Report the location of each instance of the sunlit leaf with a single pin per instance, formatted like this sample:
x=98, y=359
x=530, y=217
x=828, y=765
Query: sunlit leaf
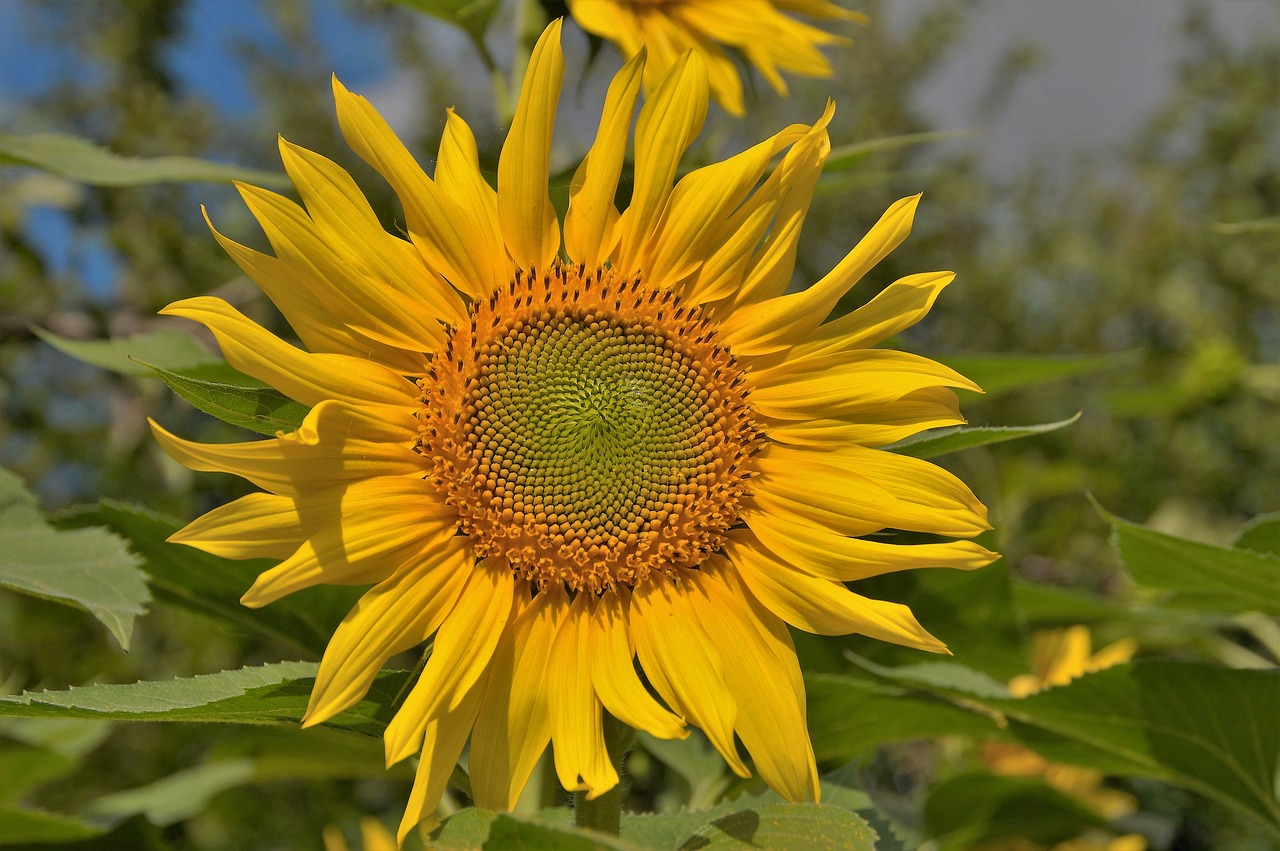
x=173, y=350
x=84, y=162
x=1262, y=535
x=942, y=441
x=258, y=409
x=1205, y=576
x=785, y=826
x=86, y=568
x=999, y=374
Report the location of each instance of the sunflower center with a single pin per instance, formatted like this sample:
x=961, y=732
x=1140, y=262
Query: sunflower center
x=589, y=429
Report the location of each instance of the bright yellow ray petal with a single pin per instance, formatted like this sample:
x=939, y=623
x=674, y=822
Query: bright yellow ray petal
x=462, y=649
x=590, y=226
x=668, y=123
x=683, y=664
x=859, y=379
x=309, y=378
x=260, y=525
x=344, y=218
x=824, y=607
x=876, y=425
x=447, y=234
x=577, y=727
x=856, y=491
x=896, y=308
x=528, y=219
x=443, y=741
x=613, y=672
x=398, y=613
x=458, y=174
x=378, y=526
x=312, y=309
x=514, y=724
x=769, y=326
x=371, y=306
x=315, y=457
x=763, y=673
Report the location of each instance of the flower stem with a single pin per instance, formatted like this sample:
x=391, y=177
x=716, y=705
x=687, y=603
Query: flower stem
x=605, y=812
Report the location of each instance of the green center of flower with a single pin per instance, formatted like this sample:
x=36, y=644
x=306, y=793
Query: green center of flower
x=589, y=430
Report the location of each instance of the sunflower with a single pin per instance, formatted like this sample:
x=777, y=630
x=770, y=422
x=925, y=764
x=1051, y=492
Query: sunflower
x=556, y=461
x=759, y=30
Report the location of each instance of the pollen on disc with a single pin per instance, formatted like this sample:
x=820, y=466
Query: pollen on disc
x=589, y=429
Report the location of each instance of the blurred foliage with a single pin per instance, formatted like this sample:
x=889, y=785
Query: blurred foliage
x=1158, y=261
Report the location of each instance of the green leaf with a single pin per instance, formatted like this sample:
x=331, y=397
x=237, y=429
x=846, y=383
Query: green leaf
x=1262, y=535
x=24, y=767
x=269, y=694
x=86, y=568
x=1268, y=225
x=1210, y=729
x=847, y=156
x=22, y=826
x=174, y=350
x=177, y=797
x=258, y=409
x=811, y=826
x=199, y=582
x=473, y=16
x=938, y=675
x=942, y=441
x=84, y=162
x=697, y=763
x=1208, y=577
x=999, y=374
x=507, y=832
x=967, y=810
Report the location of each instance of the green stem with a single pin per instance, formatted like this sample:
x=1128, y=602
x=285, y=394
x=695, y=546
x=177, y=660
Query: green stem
x=605, y=812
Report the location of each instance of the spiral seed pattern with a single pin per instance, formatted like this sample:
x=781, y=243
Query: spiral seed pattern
x=589, y=429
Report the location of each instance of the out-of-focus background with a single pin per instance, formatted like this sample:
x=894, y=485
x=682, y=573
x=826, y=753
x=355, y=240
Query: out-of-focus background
x=1098, y=172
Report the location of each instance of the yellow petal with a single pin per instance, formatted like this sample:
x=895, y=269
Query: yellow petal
x=590, y=226
x=308, y=378
x=577, y=728
x=876, y=425
x=847, y=383
x=824, y=553
x=613, y=671
x=682, y=663
x=462, y=649
x=762, y=672
x=315, y=457
x=897, y=307
x=260, y=525
x=514, y=725
x=398, y=613
x=668, y=123
x=458, y=174
x=443, y=741
x=374, y=528
x=824, y=607
x=448, y=235
x=774, y=324
x=529, y=223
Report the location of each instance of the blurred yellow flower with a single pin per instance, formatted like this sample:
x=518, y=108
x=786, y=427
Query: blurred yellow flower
x=556, y=459
x=373, y=837
x=761, y=31
x=1059, y=656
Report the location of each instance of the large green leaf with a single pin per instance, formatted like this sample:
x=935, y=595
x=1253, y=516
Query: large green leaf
x=173, y=350
x=967, y=810
x=84, y=162
x=25, y=766
x=814, y=826
x=943, y=441
x=197, y=581
x=269, y=694
x=999, y=374
x=86, y=568
x=1262, y=535
x=1214, y=730
x=258, y=409
x=1205, y=576
x=23, y=827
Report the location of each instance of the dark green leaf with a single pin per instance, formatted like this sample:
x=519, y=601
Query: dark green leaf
x=1262, y=535
x=24, y=767
x=998, y=374
x=942, y=441
x=84, y=162
x=258, y=409
x=20, y=827
x=964, y=811
x=269, y=694
x=1208, y=577
x=86, y=568
x=172, y=349
x=697, y=763
x=507, y=832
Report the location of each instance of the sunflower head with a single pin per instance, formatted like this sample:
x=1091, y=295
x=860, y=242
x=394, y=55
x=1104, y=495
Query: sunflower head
x=602, y=464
